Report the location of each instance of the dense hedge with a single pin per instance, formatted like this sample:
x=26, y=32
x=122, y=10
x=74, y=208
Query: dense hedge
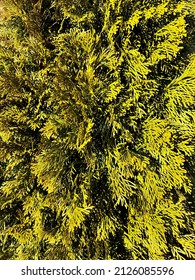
x=97, y=129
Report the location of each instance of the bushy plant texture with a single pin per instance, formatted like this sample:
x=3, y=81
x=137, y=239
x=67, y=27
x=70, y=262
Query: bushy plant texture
x=97, y=128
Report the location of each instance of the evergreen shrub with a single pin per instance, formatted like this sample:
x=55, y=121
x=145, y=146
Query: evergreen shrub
x=97, y=129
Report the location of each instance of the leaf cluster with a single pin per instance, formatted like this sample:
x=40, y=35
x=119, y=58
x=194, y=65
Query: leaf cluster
x=97, y=126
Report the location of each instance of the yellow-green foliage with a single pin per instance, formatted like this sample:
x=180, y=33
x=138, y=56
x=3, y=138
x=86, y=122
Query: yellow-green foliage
x=97, y=129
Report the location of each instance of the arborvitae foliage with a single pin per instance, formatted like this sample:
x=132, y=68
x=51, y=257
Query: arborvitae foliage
x=97, y=129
